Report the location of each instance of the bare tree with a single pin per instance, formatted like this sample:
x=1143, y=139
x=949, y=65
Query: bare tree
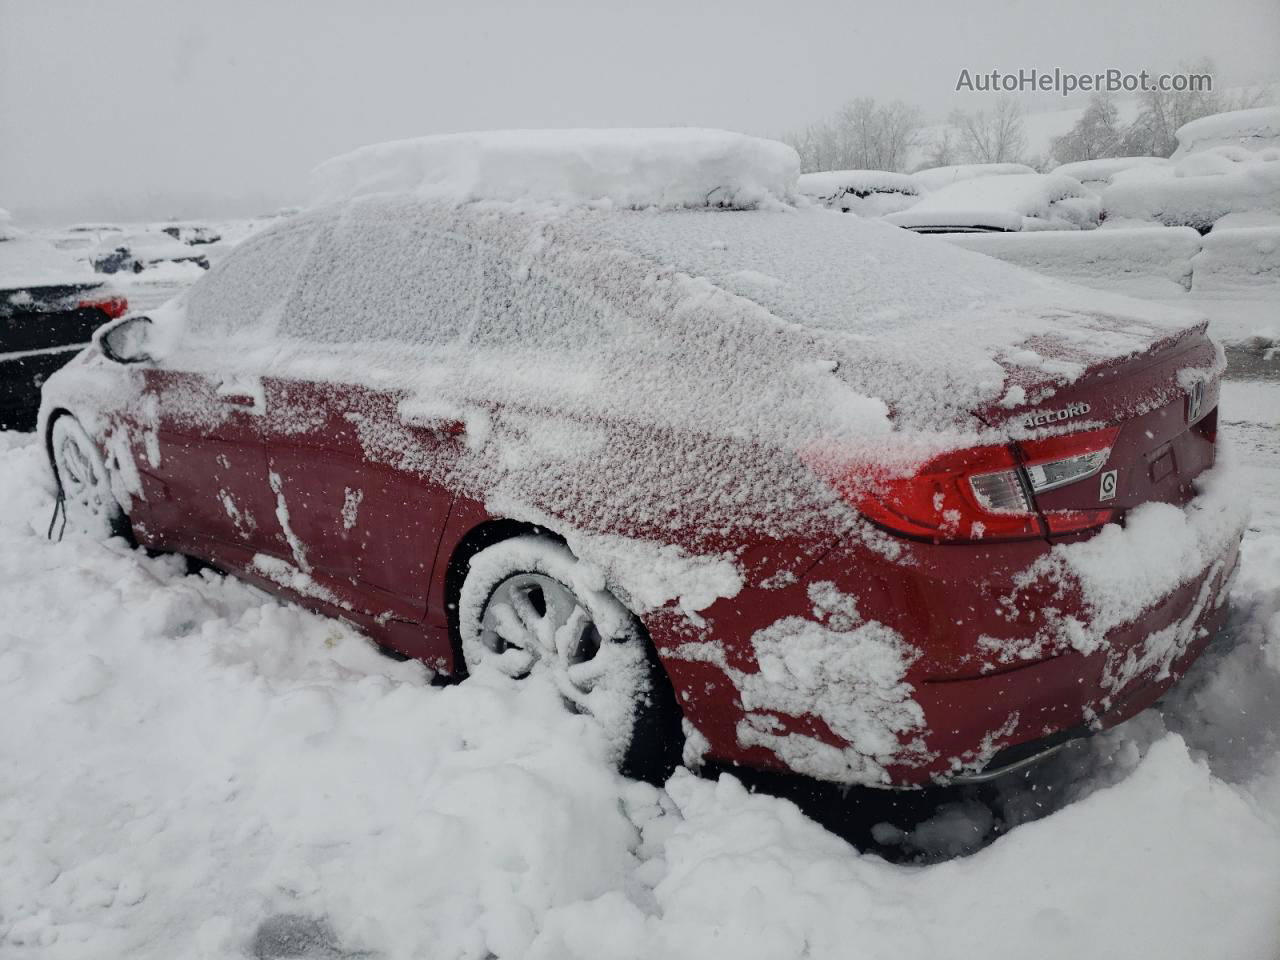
x=1096, y=134
x=942, y=151
x=992, y=136
x=1162, y=112
x=899, y=135
x=863, y=135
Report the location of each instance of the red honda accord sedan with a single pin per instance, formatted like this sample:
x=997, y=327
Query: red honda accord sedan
x=748, y=480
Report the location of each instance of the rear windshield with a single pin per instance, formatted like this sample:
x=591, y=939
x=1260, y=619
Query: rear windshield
x=816, y=268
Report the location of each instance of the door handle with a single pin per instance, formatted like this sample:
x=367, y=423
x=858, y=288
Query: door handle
x=241, y=395
x=440, y=426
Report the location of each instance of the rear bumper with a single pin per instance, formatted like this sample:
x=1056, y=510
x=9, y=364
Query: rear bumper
x=929, y=663
x=974, y=721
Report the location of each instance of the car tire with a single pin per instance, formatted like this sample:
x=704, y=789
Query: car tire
x=528, y=605
x=84, y=486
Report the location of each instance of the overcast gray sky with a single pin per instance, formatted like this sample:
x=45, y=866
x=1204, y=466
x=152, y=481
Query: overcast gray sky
x=147, y=105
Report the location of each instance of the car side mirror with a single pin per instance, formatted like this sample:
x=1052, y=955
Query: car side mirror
x=125, y=341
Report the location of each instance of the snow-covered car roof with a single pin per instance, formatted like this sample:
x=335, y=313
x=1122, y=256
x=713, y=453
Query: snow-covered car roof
x=27, y=261
x=998, y=203
x=935, y=178
x=830, y=184
x=1253, y=129
x=663, y=167
x=1103, y=169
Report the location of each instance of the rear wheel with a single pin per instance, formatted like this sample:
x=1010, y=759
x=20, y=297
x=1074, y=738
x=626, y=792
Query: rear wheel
x=528, y=606
x=90, y=508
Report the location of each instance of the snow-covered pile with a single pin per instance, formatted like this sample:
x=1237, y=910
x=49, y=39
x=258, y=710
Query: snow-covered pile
x=1238, y=259
x=189, y=768
x=1253, y=129
x=1102, y=170
x=664, y=167
x=1136, y=261
x=935, y=178
x=1017, y=201
x=1199, y=190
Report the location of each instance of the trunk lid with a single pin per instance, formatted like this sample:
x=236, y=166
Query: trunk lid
x=1164, y=403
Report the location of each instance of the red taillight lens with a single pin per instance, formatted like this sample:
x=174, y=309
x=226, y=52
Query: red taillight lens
x=113, y=307
x=981, y=493
x=962, y=496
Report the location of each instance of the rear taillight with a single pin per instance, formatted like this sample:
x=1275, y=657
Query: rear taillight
x=113, y=307
x=1054, y=462
x=981, y=493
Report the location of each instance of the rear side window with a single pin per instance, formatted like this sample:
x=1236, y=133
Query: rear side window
x=385, y=273
x=525, y=308
x=246, y=292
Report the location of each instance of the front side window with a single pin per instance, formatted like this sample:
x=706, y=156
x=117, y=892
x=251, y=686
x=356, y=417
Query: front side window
x=385, y=274
x=245, y=293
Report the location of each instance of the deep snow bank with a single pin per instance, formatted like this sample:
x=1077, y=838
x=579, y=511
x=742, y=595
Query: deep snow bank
x=183, y=760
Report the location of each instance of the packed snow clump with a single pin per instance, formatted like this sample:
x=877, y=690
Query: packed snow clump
x=663, y=167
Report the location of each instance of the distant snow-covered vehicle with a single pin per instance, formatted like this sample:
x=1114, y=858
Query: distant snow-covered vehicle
x=935, y=178
x=1226, y=166
x=607, y=411
x=50, y=304
x=1004, y=204
x=191, y=233
x=136, y=252
x=1099, y=173
x=868, y=193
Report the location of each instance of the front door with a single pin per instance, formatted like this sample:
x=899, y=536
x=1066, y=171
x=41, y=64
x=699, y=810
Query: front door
x=197, y=445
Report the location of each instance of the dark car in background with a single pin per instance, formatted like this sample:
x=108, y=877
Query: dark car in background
x=191, y=233
x=49, y=307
